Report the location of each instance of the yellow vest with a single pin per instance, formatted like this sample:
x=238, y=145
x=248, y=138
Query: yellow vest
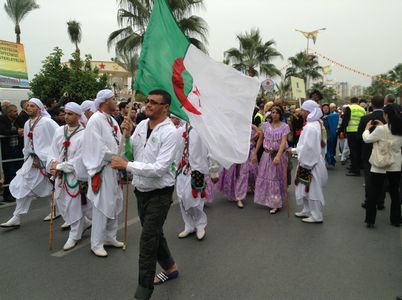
x=261, y=116
x=356, y=113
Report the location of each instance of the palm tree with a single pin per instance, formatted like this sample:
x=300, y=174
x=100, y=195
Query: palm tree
x=283, y=89
x=304, y=66
x=253, y=56
x=133, y=18
x=74, y=31
x=128, y=60
x=17, y=10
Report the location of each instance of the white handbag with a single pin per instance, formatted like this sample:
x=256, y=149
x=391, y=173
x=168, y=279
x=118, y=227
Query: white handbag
x=381, y=156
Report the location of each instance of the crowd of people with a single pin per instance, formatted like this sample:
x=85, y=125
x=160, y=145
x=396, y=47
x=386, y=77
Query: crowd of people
x=82, y=154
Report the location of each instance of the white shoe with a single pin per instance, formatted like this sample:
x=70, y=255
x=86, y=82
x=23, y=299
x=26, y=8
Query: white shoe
x=87, y=223
x=100, y=252
x=114, y=243
x=64, y=226
x=240, y=204
x=70, y=244
x=310, y=220
x=301, y=215
x=201, y=234
x=184, y=234
x=14, y=222
x=49, y=216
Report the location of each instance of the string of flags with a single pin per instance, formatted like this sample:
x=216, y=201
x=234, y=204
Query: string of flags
x=376, y=78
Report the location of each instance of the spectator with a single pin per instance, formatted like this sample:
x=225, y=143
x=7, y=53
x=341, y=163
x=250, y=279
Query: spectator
x=389, y=99
x=123, y=110
x=59, y=116
x=4, y=105
x=11, y=147
x=376, y=132
x=378, y=114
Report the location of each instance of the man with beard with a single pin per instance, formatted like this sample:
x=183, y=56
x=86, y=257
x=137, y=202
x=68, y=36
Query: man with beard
x=32, y=180
x=101, y=142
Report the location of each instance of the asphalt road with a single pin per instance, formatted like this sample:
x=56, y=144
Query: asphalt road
x=247, y=254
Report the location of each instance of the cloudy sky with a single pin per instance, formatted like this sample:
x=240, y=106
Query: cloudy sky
x=363, y=34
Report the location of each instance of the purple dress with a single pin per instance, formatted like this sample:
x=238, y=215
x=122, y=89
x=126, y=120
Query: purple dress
x=247, y=172
x=270, y=183
x=234, y=182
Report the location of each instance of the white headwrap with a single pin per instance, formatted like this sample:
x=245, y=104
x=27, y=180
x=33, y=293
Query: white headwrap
x=88, y=104
x=102, y=96
x=38, y=103
x=74, y=107
x=315, y=111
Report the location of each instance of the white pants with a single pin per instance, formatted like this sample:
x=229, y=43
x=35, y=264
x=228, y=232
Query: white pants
x=103, y=229
x=194, y=218
x=23, y=205
x=345, y=149
x=76, y=229
x=313, y=208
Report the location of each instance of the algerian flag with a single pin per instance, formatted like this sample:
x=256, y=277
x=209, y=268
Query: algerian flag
x=216, y=99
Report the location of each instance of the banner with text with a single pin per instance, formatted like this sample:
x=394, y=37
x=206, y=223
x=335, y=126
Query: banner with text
x=13, y=68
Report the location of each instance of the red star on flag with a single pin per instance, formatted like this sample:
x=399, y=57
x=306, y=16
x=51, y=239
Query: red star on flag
x=102, y=66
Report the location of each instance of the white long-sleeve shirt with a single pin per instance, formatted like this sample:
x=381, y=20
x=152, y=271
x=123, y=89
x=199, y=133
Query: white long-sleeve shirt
x=381, y=133
x=152, y=167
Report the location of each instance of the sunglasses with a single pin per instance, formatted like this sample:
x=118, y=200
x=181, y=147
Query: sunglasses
x=153, y=102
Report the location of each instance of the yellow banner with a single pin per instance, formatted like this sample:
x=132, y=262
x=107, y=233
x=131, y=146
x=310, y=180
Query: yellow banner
x=13, y=66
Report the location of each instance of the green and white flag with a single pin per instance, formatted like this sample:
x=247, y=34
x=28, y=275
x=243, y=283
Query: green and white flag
x=216, y=99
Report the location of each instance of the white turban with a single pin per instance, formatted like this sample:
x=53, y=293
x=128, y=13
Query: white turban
x=39, y=104
x=102, y=96
x=315, y=111
x=88, y=104
x=74, y=107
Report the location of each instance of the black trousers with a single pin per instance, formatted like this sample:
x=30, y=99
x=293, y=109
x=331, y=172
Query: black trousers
x=153, y=208
x=354, y=146
x=367, y=185
x=10, y=169
x=377, y=184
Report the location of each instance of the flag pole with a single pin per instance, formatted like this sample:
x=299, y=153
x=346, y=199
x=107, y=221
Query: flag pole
x=120, y=153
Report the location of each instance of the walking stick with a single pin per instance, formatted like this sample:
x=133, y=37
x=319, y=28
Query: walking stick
x=123, y=138
x=50, y=242
x=286, y=186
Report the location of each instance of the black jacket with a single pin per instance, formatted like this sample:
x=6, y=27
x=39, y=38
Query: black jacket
x=367, y=148
x=7, y=129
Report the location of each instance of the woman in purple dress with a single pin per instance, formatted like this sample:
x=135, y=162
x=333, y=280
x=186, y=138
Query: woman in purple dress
x=236, y=181
x=271, y=179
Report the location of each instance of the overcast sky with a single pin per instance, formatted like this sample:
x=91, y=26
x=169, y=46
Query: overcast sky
x=364, y=34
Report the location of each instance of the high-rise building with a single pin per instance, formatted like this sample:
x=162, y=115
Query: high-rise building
x=342, y=89
x=357, y=91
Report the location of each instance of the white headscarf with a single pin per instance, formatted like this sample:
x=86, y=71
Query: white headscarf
x=74, y=107
x=88, y=104
x=38, y=103
x=314, y=109
x=102, y=96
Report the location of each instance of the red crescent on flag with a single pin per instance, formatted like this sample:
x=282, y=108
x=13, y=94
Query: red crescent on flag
x=178, y=86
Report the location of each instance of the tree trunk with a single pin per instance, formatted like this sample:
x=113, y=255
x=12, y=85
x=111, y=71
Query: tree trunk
x=18, y=33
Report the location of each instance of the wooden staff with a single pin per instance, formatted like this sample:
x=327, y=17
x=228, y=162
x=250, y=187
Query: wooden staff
x=50, y=243
x=286, y=185
x=122, y=142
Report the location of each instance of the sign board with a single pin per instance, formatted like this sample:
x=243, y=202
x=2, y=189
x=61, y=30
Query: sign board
x=13, y=68
x=268, y=84
x=298, y=88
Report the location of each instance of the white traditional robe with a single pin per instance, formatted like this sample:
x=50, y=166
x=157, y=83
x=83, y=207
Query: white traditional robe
x=192, y=208
x=70, y=208
x=29, y=182
x=310, y=156
x=99, y=145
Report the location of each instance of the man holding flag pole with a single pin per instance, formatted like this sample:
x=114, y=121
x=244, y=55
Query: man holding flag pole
x=216, y=100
